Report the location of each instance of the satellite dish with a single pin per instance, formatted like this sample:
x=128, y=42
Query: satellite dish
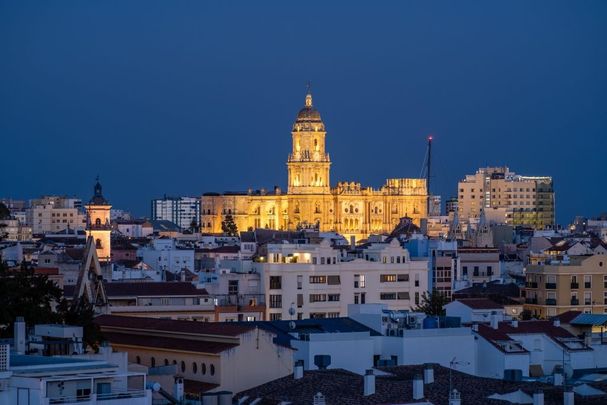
x=292, y=325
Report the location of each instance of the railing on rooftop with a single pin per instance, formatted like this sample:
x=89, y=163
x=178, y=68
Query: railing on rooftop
x=240, y=299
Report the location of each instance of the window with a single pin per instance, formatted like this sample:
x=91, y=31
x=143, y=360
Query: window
x=183, y=366
x=138, y=360
x=276, y=282
x=588, y=298
x=588, y=281
x=318, y=279
x=489, y=270
x=233, y=287
x=476, y=271
x=322, y=260
x=203, y=368
x=98, y=244
x=333, y=297
x=166, y=362
x=194, y=367
x=333, y=280
x=465, y=270
x=299, y=282
x=314, y=260
x=153, y=361
x=358, y=282
x=318, y=298
x=300, y=300
x=275, y=301
x=387, y=296
x=317, y=315
x=212, y=369
x=275, y=317
x=98, y=222
x=416, y=298
x=403, y=295
x=332, y=314
x=356, y=298
x=387, y=278
x=403, y=277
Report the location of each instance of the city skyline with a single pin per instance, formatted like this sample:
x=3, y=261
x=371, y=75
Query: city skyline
x=182, y=105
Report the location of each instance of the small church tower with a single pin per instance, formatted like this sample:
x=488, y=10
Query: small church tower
x=98, y=223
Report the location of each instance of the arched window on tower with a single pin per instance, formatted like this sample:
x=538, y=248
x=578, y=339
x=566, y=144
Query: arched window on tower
x=98, y=244
x=98, y=222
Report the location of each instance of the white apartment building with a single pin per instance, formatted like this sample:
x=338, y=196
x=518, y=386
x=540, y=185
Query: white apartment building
x=317, y=281
x=163, y=254
x=181, y=211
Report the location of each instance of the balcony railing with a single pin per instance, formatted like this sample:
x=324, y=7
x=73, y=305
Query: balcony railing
x=575, y=286
x=575, y=301
x=550, y=286
x=550, y=301
x=240, y=299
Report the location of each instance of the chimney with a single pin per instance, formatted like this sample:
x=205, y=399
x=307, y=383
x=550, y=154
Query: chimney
x=298, y=370
x=319, y=399
x=428, y=374
x=455, y=398
x=178, y=391
x=568, y=397
x=538, y=397
x=19, y=335
x=494, y=321
x=418, y=387
x=557, y=322
x=369, y=383
x=514, y=323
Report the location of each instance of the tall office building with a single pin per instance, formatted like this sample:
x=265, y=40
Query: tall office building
x=181, y=211
x=506, y=197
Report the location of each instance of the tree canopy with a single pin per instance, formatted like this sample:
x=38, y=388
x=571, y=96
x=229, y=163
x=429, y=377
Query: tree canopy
x=432, y=303
x=228, y=226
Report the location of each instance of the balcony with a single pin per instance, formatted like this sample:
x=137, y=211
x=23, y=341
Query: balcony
x=240, y=300
x=550, y=286
x=575, y=301
x=550, y=301
x=532, y=284
x=575, y=286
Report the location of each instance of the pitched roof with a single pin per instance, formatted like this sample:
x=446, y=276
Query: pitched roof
x=567, y=317
x=590, y=320
x=162, y=342
x=343, y=387
x=479, y=303
x=169, y=325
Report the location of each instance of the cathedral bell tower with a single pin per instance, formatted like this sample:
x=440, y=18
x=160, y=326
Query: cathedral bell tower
x=308, y=163
x=98, y=223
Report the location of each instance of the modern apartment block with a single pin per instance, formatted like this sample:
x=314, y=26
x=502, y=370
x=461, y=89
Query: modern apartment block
x=577, y=283
x=54, y=214
x=182, y=211
x=317, y=281
x=507, y=197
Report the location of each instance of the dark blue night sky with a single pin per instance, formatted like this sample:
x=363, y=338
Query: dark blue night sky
x=183, y=97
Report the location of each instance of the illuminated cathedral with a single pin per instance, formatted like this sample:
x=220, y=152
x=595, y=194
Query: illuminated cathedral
x=310, y=201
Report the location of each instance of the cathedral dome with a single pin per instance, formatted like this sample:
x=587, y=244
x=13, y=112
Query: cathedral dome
x=308, y=118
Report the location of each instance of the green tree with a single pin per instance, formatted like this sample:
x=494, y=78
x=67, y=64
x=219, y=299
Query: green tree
x=23, y=293
x=432, y=303
x=228, y=226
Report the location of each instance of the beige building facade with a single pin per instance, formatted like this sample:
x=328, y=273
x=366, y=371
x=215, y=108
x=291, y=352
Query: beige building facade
x=310, y=201
x=576, y=284
x=51, y=214
x=507, y=197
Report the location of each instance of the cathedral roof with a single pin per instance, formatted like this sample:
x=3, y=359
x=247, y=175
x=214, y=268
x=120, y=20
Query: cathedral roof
x=307, y=116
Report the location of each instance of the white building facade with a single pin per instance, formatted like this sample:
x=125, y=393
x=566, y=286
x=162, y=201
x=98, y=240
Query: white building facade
x=311, y=280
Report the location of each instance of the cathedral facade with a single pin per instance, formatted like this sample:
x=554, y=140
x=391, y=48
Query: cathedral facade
x=310, y=201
